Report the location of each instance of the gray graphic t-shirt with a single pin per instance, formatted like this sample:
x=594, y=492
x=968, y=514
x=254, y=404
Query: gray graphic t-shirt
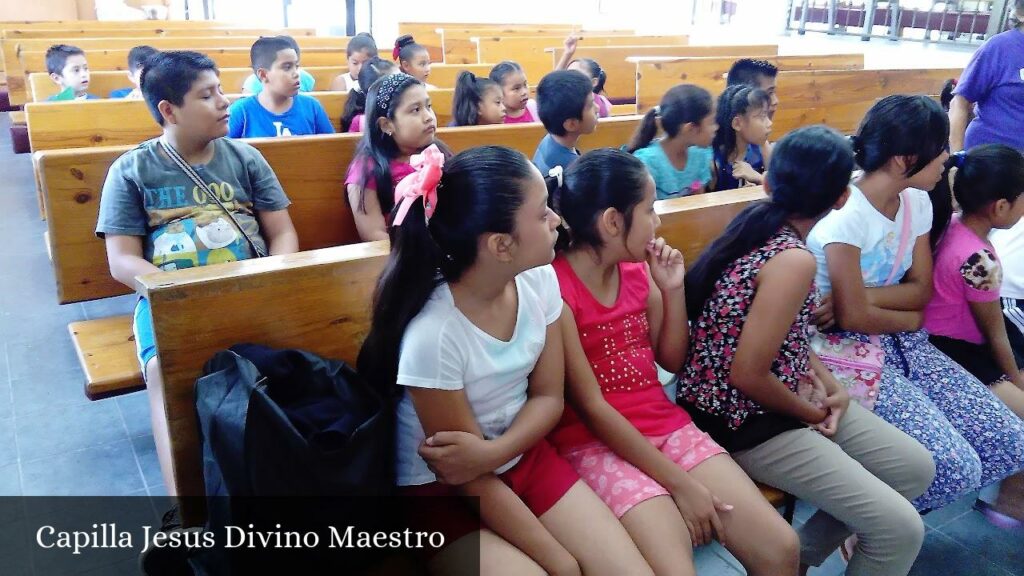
x=145, y=194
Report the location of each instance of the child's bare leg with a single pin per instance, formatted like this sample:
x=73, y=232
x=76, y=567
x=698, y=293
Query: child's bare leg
x=497, y=556
x=583, y=524
x=1011, y=395
x=755, y=532
x=661, y=535
x=158, y=418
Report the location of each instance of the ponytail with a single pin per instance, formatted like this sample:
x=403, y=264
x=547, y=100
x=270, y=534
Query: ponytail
x=946, y=96
x=645, y=132
x=809, y=172
x=469, y=93
x=355, y=105
x=942, y=198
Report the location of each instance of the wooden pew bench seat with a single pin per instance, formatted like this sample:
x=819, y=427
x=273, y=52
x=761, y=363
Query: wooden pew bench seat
x=106, y=351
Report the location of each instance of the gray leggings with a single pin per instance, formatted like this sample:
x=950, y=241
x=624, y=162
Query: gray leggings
x=862, y=481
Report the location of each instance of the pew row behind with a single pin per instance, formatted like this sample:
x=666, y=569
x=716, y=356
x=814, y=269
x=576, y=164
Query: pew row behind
x=330, y=318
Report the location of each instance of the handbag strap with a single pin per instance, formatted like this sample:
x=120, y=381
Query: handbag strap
x=901, y=251
x=201, y=184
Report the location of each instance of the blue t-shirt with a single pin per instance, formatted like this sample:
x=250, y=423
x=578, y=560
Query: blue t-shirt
x=550, y=154
x=120, y=92
x=723, y=169
x=670, y=181
x=994, y=81
x=252, y=84
x=249, y=119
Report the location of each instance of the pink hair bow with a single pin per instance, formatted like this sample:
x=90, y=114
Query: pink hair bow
x=420, y=184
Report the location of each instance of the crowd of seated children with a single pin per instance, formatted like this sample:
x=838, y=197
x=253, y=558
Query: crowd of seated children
x=413, y=59
x=477, y=101
x=355, y=105
x=253, y=85
x=399, y=123
x=666, y=480
x=566, y=106
x=361, y=49
x=680, y=161
x=278, y=109
x=153, y=217
x=875, y=274
x=740, y=149
x=592, y=69
x=519, y=107
x=69, y=70
x=137, y=58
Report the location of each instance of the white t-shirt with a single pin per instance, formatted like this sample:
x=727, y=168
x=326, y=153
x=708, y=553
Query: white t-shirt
x=442, y=349
x=859, y=224
x=1009, y=245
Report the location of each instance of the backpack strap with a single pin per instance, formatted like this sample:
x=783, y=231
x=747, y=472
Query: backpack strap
x=904, y=238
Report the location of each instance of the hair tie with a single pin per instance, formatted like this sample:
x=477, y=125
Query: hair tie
x=388, y=86
x=420, y=184
x=556, y=173
x=395, y=52
x=657, y=111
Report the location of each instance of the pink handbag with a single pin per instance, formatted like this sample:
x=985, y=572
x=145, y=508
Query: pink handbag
x=858, y=365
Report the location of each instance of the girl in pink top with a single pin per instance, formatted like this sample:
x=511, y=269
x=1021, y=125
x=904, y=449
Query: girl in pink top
x=964, y=319
x=668, y=482
x=519, y=107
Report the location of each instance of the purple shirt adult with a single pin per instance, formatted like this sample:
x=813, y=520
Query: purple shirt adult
x=994, y=81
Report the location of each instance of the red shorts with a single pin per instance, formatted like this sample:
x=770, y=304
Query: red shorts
x=540, y=479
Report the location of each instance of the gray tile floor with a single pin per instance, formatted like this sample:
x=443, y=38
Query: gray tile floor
x=53, y=441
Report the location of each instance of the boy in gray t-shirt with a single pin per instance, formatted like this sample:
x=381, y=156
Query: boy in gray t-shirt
x=153, y=217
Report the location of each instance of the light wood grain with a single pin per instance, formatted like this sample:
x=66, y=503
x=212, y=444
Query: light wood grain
x=107, y=353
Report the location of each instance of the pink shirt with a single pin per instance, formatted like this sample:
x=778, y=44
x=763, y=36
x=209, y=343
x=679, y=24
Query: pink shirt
x=966, y=270
x=529, y=114
x=357, y=123
x=617, y=343
x=604, y=106
x=360, y=165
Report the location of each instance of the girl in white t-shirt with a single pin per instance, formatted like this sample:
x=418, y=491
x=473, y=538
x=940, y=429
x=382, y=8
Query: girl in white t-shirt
x=974, y=439
x=466, y=323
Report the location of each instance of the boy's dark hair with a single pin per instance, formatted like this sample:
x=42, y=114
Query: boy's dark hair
x=595, y=72
x=914, y=127
x=503, y=69
x=561, y=96
x=360, y=42
x=138, y=56
x=749, y=70
x=469, y=92
x=264, y=51
x=406, y=48
x=737, y=100
x=57, y=56
x=169, y=76
x=600, y=179
x=480, y=192
x=808, y=173
x=682, y=104
x=984, y=175
x=355, y=104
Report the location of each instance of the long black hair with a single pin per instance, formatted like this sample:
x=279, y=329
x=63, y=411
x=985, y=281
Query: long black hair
x=808, y=173
x=736, y=100
x=469, y=93
x=983, y=175
x=480, y=191
x=914, y=127
x=681, y=105
x=595, y=72
x=371, y=71
x=600, y=179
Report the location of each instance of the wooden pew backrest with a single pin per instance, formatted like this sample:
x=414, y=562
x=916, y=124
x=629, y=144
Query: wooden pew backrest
x=311, y=170
x=83, y=124
x=621, y=73
x=152, y=31
x=429, y=35
x=656, y=75
x=330, y=317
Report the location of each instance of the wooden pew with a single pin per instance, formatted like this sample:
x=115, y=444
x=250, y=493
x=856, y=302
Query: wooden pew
x=312, y=172
x=460, y=43
x=530, y=53
x=117, y=59
x=656, y=75
x=428, y=34
x=151, y=31
x=331, y=318
x=621, y=73
x=101, y=83
x=84, y=124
